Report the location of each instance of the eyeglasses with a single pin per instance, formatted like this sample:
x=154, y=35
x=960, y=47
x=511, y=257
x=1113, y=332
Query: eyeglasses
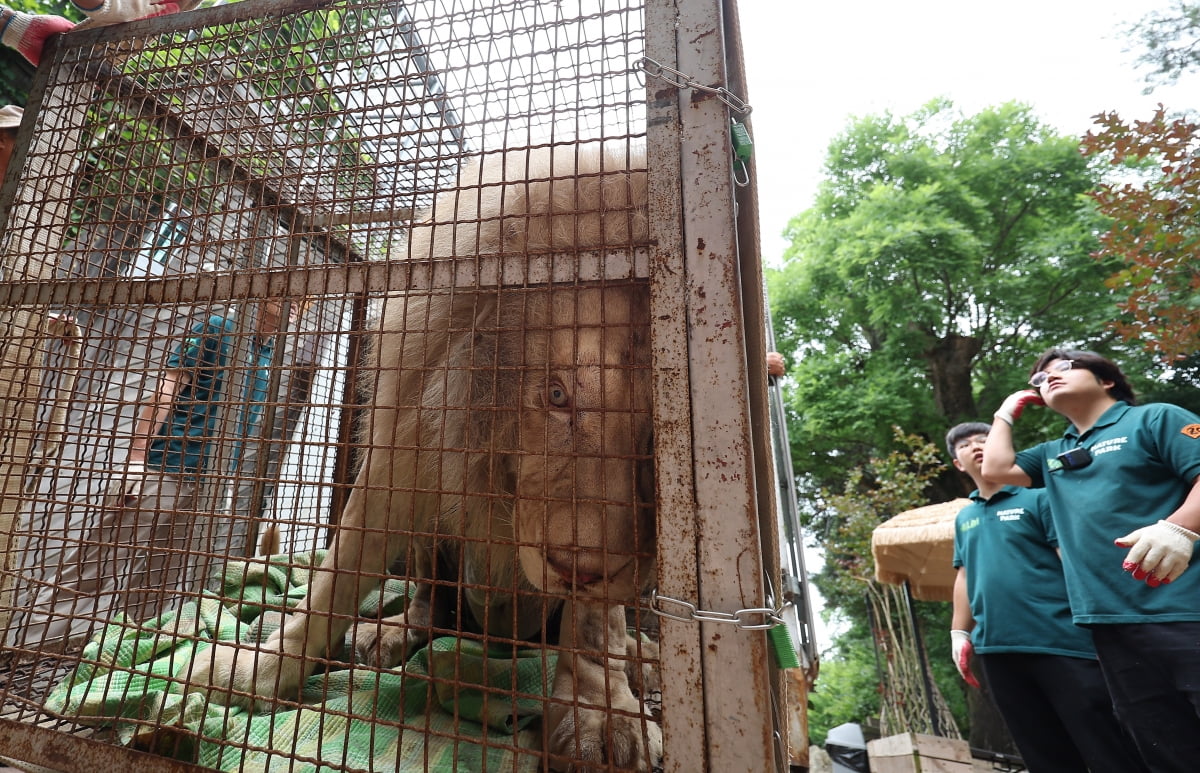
x=974, y=440
x=1039, y=378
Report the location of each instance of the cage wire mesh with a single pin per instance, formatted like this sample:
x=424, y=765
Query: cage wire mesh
x=213, y=221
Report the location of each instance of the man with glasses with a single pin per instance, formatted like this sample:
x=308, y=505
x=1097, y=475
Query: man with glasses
x=1122, y=485
x=1041, y=668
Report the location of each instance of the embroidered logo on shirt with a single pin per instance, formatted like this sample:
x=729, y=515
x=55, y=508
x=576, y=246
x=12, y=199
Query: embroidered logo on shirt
x=968, y=525
x=1012, y=514
x=1192, y=431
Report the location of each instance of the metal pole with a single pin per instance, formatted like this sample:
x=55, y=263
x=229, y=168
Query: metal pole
x=926, y=679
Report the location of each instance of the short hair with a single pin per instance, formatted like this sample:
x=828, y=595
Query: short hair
x=960, y=432
x=1100, y=366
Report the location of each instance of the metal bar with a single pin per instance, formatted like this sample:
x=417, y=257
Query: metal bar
x=468, y=272
x=738, y=684
x=685, y=745
x=70, y=753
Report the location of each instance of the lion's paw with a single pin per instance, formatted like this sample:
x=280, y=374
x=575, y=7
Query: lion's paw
x=386, y=643
x=244, y=677
x=593, y=739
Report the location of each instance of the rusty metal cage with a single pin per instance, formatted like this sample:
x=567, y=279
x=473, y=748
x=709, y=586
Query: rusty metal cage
x=376, y=395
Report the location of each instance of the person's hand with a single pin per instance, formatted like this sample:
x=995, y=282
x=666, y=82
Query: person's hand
x=28, y=32
x=962, y=650
x=775, y=364
x=1158, y=553
x=125, y=488
x=101, y=13
x=1010, y=410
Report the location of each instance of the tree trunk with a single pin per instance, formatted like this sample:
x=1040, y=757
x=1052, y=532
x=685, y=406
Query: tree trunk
x=950, y=362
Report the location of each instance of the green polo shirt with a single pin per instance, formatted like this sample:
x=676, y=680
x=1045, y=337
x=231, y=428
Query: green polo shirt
x=1144, y=461
x=1014, y=576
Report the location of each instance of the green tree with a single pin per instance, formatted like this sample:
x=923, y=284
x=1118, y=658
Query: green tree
x=1170, y=42
x=942, y=252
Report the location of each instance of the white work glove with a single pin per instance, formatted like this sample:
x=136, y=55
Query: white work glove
x=27, y=32
x=101, y=13
x=1159, y=552
x=1010, y=410
x=962, y=650
x=125, y=489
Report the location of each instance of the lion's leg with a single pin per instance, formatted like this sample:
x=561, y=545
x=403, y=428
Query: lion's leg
x=244, y=675
x=388, y=642
x=594, y=717
x=640, y=668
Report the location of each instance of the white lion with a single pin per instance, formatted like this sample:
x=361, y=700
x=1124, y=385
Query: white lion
x=508, y=460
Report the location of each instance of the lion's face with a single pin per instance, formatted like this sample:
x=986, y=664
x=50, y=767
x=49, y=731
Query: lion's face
x=584, y=500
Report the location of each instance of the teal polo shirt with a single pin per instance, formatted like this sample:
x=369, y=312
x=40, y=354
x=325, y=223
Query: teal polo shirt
x=1014, y=576
x=181, y=444
x=1144, y=459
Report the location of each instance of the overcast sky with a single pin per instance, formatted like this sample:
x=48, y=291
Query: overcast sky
x=812, y=66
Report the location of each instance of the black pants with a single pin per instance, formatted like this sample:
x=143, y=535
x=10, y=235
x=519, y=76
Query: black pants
x=1153, y=673
x=1060, y=714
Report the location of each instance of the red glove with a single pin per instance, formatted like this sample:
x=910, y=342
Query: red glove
x=1010, y=409
x=27, y=32
x=962, y=650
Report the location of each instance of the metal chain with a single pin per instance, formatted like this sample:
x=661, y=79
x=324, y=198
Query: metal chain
x=755, y=619
x=683, y=80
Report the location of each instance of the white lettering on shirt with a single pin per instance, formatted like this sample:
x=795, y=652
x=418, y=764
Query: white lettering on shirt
x=1013, y=514
x=1107, y=446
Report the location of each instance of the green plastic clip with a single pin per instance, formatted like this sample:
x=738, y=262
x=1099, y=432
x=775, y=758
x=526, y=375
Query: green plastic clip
x=743, y=146
x=781, y=644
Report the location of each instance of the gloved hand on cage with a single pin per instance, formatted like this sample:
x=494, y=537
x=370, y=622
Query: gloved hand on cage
x=28, y=32
x=962, y=650
x=125, y=488
x=1010, y=410
x=101, y=13
x=1159, y=552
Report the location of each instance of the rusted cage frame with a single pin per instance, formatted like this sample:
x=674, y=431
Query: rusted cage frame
x=716, y=717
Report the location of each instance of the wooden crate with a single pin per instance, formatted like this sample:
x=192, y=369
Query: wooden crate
x=918, y=753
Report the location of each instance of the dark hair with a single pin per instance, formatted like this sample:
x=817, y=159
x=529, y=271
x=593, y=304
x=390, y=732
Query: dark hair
x=960, y=432
x=1102, y=367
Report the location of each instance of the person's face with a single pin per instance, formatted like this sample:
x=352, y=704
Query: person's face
x=968, y=454
x=1072, y=384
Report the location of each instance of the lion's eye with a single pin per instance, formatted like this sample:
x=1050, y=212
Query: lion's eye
x=557, y=396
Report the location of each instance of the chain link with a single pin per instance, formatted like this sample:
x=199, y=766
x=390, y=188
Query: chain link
x=683, y=80
x=754, y=619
